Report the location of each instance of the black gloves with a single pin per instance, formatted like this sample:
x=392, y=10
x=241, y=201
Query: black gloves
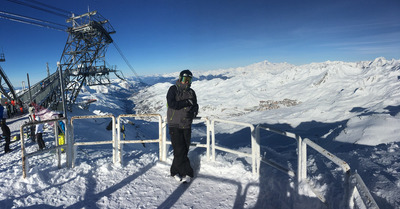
x=193, y=110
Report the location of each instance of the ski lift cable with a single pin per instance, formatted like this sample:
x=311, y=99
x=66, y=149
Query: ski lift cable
x=126, y=61
x=51, y=7
x=30, y=23
x=31, y=18
x=38, y=8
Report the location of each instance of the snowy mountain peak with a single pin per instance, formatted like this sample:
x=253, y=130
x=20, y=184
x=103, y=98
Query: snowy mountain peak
x=379, y=61
x=328, y=91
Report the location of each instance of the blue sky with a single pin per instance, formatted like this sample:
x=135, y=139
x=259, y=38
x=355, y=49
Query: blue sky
x=167, y=36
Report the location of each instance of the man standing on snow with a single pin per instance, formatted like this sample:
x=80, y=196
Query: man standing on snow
x=6, y=134
x=182, y=108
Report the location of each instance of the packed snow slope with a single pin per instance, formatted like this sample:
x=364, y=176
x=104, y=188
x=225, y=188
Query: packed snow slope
x=350, y=109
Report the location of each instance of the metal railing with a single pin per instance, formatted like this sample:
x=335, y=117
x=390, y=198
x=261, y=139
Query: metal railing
x=57, y=147
x=255, y=146
x=360, y=189
x=165, y=142
x=122, y=142
x=113, y=140
x=211, y=143
x=353, y=182
x=302, y=168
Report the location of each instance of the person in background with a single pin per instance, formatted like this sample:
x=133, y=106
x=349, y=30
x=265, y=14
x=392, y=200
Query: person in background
x=61, y=125
x=13, y=109
x=32, y=118
x=182, y=108
x=61, y=131
x=6, y=134
x=8, y=107
x=1, y=112
x=31, y=111
x=39, y=135
x=21, y=107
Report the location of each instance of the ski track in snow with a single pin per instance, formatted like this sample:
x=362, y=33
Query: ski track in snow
x=350, y=109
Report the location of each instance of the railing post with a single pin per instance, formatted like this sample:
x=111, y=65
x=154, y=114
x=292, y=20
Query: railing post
x=160, y=137
x=299, y=159
x=213, y=140
x=24, y=160
x=254, y=150
x=119, y=140
x=118, y=147
x=58, y=151
x=114, y=141
x=258, y=149
x=303, y=147
x=208, y=138
x=164, y=141
x=346, y=194
x=69, y=135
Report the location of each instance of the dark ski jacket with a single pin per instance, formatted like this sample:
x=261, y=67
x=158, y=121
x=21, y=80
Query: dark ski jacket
x=181, y=111
x=6, y=131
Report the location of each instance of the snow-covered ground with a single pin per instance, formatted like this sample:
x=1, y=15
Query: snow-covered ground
x=350, y=109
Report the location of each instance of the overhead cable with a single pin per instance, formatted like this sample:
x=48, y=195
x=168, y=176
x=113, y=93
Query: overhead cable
x=38, y=8
x=31, y=18
x=126, y=61
x=30, y=22
x=51, y=7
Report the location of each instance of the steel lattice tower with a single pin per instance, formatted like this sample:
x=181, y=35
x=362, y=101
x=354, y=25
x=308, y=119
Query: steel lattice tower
x=83, y=58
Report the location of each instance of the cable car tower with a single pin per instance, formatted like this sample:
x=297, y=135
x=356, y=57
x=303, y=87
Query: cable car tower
x=83, y=58
x=6, y=88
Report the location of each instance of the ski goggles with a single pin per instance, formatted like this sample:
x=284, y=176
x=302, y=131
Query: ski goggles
x=186, y=79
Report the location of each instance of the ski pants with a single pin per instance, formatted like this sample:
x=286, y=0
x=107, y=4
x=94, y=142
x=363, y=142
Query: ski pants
x=180, y=139
x=7, y=145
x=39, y=139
